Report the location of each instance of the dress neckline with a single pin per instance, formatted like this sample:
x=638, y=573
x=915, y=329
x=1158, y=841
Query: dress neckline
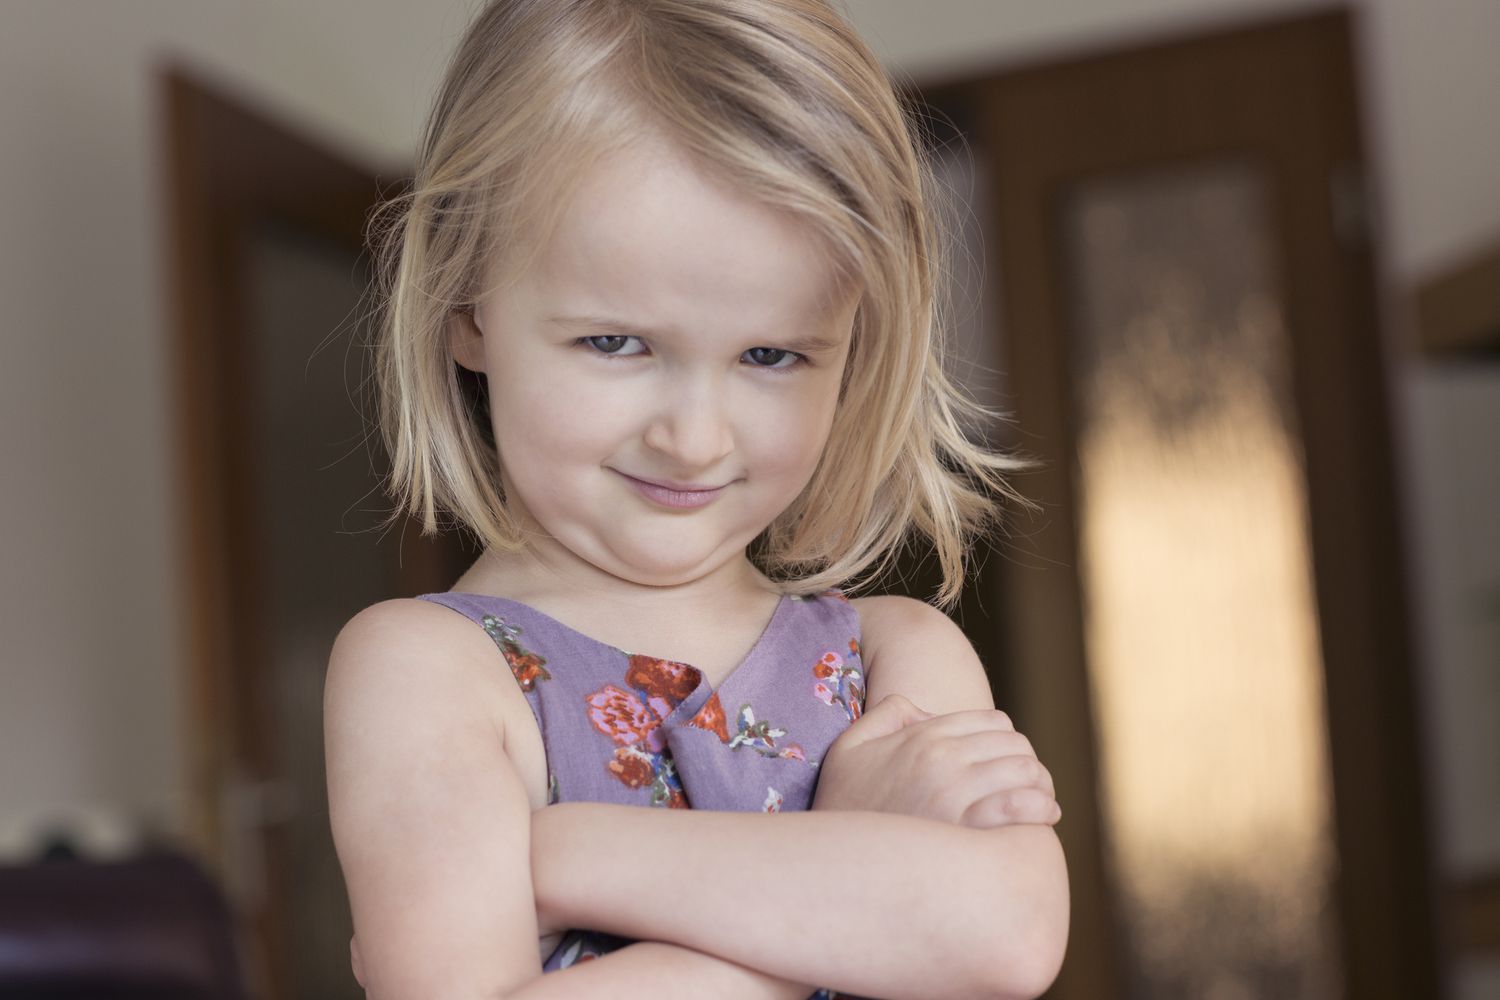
x=782, y=605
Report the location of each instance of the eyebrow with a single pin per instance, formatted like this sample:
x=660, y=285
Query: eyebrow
x=807, y=343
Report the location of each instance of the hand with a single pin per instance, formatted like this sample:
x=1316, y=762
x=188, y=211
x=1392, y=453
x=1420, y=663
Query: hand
x=967, y=768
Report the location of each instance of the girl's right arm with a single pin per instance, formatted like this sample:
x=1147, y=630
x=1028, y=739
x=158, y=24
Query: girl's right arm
x=429, y=817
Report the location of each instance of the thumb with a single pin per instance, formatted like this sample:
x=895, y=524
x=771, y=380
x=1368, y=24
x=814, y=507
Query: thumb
x=891, y=713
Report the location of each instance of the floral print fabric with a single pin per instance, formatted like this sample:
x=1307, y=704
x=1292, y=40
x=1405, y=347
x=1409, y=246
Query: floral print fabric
x=629, y=728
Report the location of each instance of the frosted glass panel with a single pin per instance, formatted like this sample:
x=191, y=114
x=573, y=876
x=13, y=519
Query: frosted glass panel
x=1201, y=631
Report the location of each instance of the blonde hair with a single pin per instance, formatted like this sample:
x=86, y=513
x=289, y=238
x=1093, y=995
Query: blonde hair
x=783, y=100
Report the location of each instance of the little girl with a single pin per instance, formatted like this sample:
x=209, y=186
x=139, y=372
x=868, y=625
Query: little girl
x=686, y=251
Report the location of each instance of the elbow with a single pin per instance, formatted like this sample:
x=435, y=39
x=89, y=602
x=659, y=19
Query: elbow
x=1049, y=943
x=1041, y=967
x=1030, y=966
x=1028, y=959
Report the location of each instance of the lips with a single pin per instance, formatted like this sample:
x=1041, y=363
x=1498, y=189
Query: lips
x=676, y=487
x=669, y=494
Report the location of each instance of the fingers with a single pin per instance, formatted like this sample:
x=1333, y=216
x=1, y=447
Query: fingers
x=902, y=706
x=949, y=752
x=1013, y=771
x=973, y=720
x=1012, y=807
x=1001, y=792
x=948, y=723
x=991, y=745
x=890, y=715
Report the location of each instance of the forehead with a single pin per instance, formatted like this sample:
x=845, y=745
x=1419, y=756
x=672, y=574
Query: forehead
x=650, y=237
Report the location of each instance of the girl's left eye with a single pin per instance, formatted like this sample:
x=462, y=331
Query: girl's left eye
x=773, y=355
x=610, y=344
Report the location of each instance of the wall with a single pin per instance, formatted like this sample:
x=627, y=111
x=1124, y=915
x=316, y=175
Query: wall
x=90, y=599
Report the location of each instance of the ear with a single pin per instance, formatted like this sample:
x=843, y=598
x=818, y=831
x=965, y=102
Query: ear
x=466, y=340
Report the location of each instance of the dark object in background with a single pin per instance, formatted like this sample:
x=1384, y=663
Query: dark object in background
x=154, y=926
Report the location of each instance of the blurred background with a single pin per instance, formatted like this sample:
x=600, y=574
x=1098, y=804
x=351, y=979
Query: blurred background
x=1231, y=266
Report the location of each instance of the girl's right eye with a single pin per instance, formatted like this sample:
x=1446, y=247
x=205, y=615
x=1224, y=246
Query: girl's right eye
x=611, y=344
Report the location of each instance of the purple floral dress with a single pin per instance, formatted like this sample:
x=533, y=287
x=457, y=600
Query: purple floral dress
x=634, y=729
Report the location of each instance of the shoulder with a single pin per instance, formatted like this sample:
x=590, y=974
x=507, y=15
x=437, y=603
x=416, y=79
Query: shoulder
x=911, y=648
x=404, y=619
x=405, y=630
x=894, y=611
x=414, y=654
x=892, y=620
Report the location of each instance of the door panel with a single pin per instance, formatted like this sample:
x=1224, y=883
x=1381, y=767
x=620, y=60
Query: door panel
x=319, y=511
x=281, y=478
x=1204, y=633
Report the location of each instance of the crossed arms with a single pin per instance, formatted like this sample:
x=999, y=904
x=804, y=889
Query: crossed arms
x=926, y=866
x=884, y=905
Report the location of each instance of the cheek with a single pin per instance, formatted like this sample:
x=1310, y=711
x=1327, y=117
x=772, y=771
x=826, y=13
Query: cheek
x=792, y=438
x=556, y=423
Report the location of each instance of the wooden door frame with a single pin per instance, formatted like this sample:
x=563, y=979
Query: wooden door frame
x=1045, y=119
x=228, y=168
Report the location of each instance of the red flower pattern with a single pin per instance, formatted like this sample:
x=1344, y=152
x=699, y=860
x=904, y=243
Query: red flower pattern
x=526, y=666
x=632, y=767
x=666, y=679
x=622, y=717
x=711, y=717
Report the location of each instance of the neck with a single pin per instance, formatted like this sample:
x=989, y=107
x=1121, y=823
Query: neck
x=545, y=572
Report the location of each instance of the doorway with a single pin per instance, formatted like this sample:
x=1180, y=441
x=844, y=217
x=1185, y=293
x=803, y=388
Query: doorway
x=281, y=480
x=1204, y=634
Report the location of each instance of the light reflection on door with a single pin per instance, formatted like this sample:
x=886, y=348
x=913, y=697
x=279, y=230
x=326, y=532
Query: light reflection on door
x=1199, y=618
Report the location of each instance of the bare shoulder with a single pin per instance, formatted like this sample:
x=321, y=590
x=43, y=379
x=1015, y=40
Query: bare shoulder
x=429, y=815
x=406, y=623
x=418, y=652
x=911, y=648
x=889, y=620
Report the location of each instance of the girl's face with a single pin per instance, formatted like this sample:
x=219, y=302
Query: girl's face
x=670, y=332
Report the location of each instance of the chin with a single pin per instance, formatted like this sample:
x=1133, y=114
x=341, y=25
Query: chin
x=649, y=568
x=659, y=574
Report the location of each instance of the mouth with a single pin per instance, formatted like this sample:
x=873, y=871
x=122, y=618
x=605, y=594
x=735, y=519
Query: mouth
x=676, y=487
x=672, y=494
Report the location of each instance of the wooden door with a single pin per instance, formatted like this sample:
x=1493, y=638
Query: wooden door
x=280, y=485
x=1205, y=633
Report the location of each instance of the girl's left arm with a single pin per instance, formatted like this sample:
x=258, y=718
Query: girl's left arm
x=874, y=904
x=870, y=903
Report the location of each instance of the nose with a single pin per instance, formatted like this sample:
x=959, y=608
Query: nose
x=691, y=425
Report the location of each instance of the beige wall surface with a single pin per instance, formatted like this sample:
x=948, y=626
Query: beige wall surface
x=90, y=708
x=90, y=701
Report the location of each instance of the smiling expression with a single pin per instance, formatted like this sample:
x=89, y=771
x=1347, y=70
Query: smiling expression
x=670, y=332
